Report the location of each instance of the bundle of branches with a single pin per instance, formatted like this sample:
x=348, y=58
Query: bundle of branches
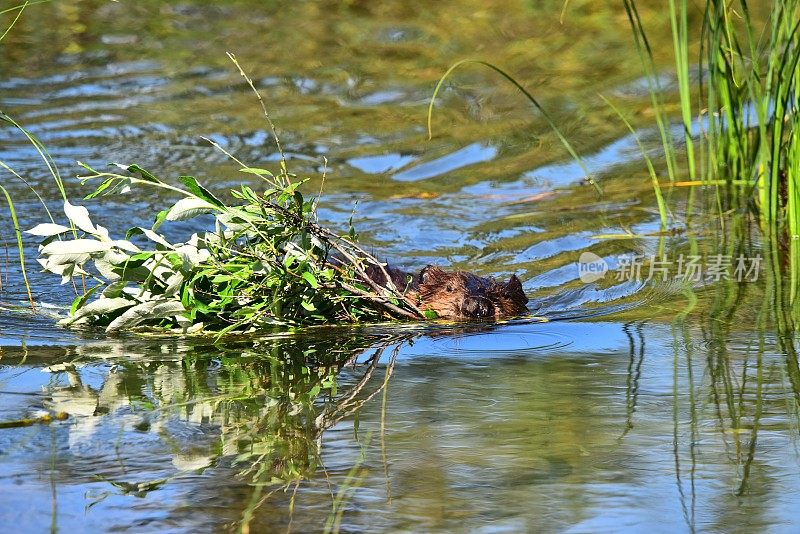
x=267, y=261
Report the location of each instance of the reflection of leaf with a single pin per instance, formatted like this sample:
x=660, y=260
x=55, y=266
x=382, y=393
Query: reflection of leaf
x=96, y=498
x=137, y=489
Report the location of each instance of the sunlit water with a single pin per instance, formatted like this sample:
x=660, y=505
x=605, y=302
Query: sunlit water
x=617, y=405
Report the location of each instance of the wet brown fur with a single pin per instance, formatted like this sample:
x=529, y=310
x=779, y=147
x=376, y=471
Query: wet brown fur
x=456, y=294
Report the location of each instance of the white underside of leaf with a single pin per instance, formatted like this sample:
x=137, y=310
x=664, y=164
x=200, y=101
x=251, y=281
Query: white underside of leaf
x=47, y=229
x=187, y=208
x=75, y=246
x=153, y=309
x=98, y=307
x=79, y=216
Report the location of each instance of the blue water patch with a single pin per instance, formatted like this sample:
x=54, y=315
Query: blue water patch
x=380, y=163
x=382, y=97
x=552, y=247
x=469, y=155
x=564, y=173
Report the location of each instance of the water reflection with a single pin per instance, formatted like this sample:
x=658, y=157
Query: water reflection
x=143, y=419
x=469, y=155
x=570, y=428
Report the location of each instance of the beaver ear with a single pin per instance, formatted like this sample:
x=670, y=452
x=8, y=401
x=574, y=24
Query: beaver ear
x=429, y=273
x=513, y=286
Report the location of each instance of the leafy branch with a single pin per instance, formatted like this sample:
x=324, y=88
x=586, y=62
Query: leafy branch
x=267, y=262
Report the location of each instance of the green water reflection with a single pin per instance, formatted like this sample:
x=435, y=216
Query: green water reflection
x=583, y=425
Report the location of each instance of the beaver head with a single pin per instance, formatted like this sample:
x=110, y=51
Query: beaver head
x=462, y=295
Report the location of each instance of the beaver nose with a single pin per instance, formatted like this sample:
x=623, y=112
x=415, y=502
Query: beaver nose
x=478, y=307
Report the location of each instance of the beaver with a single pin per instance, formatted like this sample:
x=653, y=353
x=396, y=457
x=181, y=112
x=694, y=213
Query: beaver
x=458, y=295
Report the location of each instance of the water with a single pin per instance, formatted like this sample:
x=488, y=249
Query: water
x=636, y=405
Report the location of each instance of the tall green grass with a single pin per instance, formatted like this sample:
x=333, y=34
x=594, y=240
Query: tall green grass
x=738, y=104
x=54, y=173
x=18, y=9
x=16, y=13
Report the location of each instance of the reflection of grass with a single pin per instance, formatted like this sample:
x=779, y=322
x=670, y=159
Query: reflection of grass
x=744, y=101
x=346, y=490
x=527, y=95
x=19, y=9
x=739, y=382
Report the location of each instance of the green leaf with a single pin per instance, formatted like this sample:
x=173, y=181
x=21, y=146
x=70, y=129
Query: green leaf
x=80, y=300
x=308, y=306
x=160, y=218
x=247, y=194
x=200, y=191
x=105, y=184
x=430, y=315
x=114, y=289
x=138, y=259
x=133, y=232
x=311, y=279
x=135, y=169
x=257, y=171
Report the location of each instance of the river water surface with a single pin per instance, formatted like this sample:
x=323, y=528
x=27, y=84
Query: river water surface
x=644, y=400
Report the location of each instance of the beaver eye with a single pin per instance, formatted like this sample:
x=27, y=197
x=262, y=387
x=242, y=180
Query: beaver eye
x=449, y=288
